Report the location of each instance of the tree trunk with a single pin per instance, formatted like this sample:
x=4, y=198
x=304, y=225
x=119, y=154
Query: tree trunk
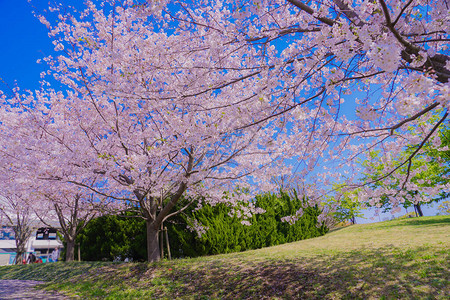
x=21, y=251
x=418, y=209
x=70, y=250
x=153, y=251
x=20, y=257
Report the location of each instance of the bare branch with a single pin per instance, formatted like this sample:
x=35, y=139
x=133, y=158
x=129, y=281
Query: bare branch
x=310, y=11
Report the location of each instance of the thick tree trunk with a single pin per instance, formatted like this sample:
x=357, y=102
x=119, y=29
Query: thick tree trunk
x=70, y=250
x=153, y=251
x=154, y=219
x=418, y=210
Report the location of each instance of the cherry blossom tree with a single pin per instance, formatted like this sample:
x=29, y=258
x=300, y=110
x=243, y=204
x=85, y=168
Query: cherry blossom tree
x=74, y=209
x=19, y=216
x=165, y=98
x=40, y=159
x=389, y=59
x=17, y=202
x=17, y=213
x=394, y=52
x=148, y=122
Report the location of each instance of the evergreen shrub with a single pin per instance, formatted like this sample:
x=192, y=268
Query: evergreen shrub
x=227, y=234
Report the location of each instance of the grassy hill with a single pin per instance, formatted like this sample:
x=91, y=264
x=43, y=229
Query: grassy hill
x=401, y=259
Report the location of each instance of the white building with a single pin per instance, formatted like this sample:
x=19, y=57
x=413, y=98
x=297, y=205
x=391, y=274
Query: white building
x=42, y=243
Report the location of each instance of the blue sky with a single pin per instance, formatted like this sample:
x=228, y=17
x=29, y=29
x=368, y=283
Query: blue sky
x=23, y=40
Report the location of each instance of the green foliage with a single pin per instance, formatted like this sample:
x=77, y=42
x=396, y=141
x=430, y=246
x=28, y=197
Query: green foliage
x=444, y=208
x=225, y=232
x=427, y=168
x=348, y=207
x=113, y=237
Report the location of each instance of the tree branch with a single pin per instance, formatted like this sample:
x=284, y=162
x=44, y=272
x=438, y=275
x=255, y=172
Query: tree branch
x=310, y=11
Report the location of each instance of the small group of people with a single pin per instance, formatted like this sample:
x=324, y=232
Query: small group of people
x=32, y=259
x=52, y=257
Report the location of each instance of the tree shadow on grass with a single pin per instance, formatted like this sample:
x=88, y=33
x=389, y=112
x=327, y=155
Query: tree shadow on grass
x=382, y=273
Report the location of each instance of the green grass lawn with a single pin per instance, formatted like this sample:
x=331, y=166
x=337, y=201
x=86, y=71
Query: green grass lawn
x=401, y=259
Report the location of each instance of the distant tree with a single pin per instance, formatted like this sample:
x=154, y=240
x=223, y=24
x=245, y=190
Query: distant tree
x=73, y=210
x=346, y=205
x=17, y=212
x=444, y=207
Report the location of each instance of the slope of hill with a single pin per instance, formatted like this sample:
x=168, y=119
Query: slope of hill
x=401, y=259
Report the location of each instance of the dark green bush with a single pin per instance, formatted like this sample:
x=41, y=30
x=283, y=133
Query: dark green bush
x=113, y=237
